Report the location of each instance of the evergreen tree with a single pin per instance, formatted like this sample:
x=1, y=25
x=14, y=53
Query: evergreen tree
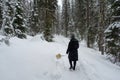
x=19, y=21
x=116, y=8
x=113, y=40
x=57, y=24
x=8, y=14
x=93, y=23
x=35, y=28
x=43, y=17
x=112, y=37
x=79, y=17
x=87, y=21
x=101, y=25
x=65, y=17
x=0, y=14
x=13, y=21
x=49, y=7
x=27, y=10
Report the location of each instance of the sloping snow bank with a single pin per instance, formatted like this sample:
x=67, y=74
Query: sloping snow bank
x=29, y=59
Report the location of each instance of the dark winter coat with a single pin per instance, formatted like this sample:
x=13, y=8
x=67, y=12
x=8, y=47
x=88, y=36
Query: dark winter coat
x=72, y=49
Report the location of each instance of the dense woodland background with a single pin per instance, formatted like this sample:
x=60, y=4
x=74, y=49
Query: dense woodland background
x=95, y=21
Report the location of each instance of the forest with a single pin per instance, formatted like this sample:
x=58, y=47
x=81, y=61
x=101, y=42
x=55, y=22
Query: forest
x=97, y=22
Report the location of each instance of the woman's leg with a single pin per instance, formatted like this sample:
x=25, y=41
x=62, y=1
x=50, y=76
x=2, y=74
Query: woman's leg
x=74, y=65
x=70, y=61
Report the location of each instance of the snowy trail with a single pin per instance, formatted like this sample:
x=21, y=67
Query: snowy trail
x=91, y=66
x=97, y=67
x=79, y=74
x=34, y=59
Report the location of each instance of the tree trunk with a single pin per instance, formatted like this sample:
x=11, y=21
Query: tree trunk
x=88, y=22
x=0, y=14
x=101, y=26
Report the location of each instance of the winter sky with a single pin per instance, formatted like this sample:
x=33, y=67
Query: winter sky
x=60, y=2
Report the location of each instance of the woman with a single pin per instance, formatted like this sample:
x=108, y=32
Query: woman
x=72, y=52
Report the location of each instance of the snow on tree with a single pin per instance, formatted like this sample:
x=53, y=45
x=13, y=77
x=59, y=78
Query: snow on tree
x=0, y=13
x=116, y=8
x=13, y=21
x=112, y=33
x=65, y=17
x=19, y=21
x=49, y=6
x=112, y=39
x=7, y=10
x=35, y=27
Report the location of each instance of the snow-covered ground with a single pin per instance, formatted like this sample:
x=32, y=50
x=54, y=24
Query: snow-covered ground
x=35, y=59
